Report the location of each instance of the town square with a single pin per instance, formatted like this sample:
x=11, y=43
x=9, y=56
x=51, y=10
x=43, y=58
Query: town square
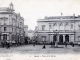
x=52, y=34
x=39, y=30
x=30, y=49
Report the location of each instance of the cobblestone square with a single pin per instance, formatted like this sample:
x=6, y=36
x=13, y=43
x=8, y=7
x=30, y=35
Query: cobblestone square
x=37, y=49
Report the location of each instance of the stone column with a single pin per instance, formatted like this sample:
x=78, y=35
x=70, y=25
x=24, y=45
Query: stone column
x=56, y=42
x=51, y=38
x=63, y=38
x=69, y=38
x=7, y=37
x=1, y=37
x=57, y=38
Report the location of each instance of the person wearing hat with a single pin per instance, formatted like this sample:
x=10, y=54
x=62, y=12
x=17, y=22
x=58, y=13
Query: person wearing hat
x=8, y=44
x=2, y=44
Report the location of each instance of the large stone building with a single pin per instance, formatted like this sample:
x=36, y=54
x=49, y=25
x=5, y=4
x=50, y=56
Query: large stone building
x=59, y=28
x=11, y=25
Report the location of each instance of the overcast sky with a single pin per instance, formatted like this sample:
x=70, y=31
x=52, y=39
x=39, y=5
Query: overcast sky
x=32, y=10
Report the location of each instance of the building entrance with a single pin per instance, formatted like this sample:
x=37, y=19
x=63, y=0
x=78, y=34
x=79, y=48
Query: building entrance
x=67, y=38
x=61, y=38
x=54, y=38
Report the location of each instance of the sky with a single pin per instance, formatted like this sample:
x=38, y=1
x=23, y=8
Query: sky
x=31, y=10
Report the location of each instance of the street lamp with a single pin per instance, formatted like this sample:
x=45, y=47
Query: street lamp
x=44, y=43
x=56, y=41
x=36, y=38
x=74, y=27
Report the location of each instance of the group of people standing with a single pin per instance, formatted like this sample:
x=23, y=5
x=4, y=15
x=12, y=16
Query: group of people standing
x=65, y=43
x=5, y=44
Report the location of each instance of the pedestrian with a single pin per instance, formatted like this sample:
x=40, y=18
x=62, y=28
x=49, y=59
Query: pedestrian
x=66, y=44
x=15, y=44
x=44, y=47
x=2, y=43
x=51, y=43
x=8, y=44
x=72, y=44
x=34, y=43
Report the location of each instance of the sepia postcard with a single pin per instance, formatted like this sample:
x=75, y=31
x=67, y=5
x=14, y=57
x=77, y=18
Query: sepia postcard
x=39, y=30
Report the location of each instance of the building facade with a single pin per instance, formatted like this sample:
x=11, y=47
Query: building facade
x=11, y=25
x=59, y=28
x=26, y=30
x=31, y=34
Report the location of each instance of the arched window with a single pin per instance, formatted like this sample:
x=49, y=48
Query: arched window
x=61, y=24
x=72, y=26
x=54, y=24
x=50, y=27
x=66, y=24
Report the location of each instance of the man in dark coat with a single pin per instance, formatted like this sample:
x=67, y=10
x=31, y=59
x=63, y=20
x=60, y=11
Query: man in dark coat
x=2, y=44
x=44, y=46
x=8, y=44
x=66, y=44
x=72, y=44
x=51, y=43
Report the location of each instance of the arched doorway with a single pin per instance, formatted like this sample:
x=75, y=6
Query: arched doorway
x=54, y=38
x=67, y=38
x=61, y=38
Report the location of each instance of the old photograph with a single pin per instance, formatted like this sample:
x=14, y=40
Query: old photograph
x=40, y=28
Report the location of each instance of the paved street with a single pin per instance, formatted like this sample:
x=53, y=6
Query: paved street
x=30, y=49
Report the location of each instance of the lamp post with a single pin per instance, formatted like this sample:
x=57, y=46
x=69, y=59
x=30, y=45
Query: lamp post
x=44, y=43
x=74, y=27
x=36, y=38
x=56, y=41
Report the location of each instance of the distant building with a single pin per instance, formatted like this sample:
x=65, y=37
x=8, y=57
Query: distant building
x=26, y=30
x=59, y=28
x=35, y=33
x=31, y=34
x=11, y=25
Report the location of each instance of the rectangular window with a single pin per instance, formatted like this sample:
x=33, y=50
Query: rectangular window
x=5, y=28
x=0, y=37
x=43, y=27
x=4, y=36
x=50, y=27
x=43, y=38
x=72, y=26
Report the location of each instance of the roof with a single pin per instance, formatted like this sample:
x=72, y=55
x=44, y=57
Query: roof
x=4, y=9
x=60, y=18
x=63, y=17
x=30, y=31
